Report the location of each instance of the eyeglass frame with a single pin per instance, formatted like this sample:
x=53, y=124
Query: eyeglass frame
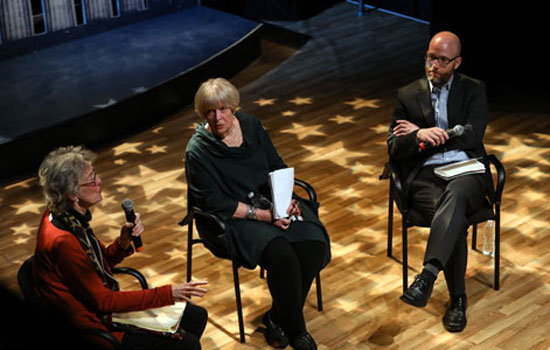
x=93, y=183
x=437, y=59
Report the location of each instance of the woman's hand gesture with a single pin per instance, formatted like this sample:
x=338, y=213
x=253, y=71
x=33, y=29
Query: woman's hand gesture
x=184, y=291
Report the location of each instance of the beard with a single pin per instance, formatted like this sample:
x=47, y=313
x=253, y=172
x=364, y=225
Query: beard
x=436, y=78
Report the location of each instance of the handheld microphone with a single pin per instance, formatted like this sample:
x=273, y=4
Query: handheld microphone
x=457, y=130
x=128, y=207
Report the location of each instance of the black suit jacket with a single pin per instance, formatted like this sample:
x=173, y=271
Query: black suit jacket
x=467, y=105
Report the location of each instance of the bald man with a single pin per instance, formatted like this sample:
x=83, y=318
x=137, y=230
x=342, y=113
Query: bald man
x=424, y=110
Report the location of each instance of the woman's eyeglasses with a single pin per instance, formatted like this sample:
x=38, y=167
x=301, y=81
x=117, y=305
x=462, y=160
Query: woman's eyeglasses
x=92, y=183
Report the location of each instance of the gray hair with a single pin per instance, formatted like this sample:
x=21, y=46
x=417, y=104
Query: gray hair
x=60, y=174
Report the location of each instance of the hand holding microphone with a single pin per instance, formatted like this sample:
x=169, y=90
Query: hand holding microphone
x=432, y=137
x=128, y=207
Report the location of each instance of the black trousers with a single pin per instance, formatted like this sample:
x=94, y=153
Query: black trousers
x=447, y=205
x=193, y=322
x=291, y=268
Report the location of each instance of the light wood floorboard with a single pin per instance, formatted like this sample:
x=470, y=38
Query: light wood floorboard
x=327, y=107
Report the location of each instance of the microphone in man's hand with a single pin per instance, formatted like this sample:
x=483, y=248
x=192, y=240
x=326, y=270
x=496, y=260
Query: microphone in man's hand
x=457, y=130
x=128, y=207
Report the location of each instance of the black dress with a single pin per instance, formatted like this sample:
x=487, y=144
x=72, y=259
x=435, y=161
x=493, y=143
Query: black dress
x=220, y=176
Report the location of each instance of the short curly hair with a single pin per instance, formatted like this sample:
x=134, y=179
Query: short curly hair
x=60, y=174
x=215, y=92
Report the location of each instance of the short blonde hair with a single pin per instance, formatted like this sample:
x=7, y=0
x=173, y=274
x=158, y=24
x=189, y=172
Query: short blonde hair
x=214, y=93
x=60, y=174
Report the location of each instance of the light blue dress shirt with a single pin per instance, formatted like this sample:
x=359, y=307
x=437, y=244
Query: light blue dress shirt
x=439, y=103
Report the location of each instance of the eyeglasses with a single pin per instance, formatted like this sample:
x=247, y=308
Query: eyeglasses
x=94, y=181
x=442, y=61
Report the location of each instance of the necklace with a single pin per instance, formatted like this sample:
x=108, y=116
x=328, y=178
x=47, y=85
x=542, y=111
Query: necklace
x=235, y=136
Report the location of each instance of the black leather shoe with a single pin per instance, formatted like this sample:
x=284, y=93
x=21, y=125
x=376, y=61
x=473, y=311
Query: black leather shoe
x=455, y=315
x=303, y=342
x=419, y=292
x=274, y=334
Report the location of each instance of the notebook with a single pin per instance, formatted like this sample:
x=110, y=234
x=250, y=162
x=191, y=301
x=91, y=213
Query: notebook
x=163, y=319
x=453, y=170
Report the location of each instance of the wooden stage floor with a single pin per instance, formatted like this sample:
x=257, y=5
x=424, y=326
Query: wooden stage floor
x=327, y=106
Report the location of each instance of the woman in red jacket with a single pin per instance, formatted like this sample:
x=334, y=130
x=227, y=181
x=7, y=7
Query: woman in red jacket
x=72, y=270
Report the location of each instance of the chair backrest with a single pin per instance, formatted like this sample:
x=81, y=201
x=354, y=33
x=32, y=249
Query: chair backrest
x=415, y=218
x=208, y=226
x=24, y=279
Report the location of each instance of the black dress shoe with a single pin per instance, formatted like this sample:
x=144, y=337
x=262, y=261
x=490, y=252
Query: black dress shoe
x=455, y=315
x=303, y=342
x=420, y=290
x=274, y=334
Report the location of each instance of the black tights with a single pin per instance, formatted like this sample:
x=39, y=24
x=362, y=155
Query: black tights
x=291, y=268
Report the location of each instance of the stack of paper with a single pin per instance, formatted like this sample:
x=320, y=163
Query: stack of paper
x=450, y=171
x=282, y=183
x=163, y=319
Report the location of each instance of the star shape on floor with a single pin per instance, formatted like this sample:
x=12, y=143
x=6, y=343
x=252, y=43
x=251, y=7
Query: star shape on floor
x=265, y=101
x=122, y=189
x=176, y=253
x=360, y=168
x=533, y=195
x=302, y=131
x=29, y=207
x=341, y=119
x=517, y=150
x=288, y=113
x=348, y=193
x=149, y=179
x=23, y=229
x=334, y=152
x=359, y=103
x=21, y=240
x=301, y=101
x=156, y=149
x=23, y=184
x=127, y=147
x=380, y=128
x=532, y=172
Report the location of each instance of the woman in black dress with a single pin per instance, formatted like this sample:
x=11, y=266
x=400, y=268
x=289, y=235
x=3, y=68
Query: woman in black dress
x=228, y=160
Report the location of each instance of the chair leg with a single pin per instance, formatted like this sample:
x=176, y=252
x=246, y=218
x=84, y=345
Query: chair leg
x=238, y=300
x=405, y=253
x=319, y=292
x=474, y=237
x=390, y=222
x=496, y=285
x=189, y=250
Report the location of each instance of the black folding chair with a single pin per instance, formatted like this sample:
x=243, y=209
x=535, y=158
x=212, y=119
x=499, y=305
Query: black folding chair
x=25, y=281
x=410, y=216
x=216, y=227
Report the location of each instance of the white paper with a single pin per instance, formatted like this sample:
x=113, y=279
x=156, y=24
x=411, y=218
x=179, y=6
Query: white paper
x=282, y=184
x=470, y=166
x=163, y=319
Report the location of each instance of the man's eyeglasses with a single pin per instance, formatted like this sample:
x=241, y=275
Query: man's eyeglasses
x=93, y=182
x=442, y=61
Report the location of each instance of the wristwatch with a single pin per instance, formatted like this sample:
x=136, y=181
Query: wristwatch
x=251, y=212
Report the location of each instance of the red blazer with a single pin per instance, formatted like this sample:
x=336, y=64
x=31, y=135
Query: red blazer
x=66, y=280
